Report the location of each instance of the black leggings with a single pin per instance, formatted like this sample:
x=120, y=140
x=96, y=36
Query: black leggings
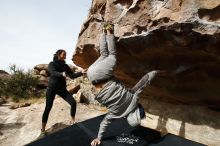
x=50, y=95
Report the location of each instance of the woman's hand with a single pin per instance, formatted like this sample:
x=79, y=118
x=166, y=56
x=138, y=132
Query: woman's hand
x=64, y=74
x=95, y=142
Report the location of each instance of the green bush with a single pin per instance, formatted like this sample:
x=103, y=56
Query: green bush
x=2, y=86
x=21, y=84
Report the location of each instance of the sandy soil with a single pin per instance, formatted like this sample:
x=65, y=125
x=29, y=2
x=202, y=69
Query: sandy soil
x=21, y=126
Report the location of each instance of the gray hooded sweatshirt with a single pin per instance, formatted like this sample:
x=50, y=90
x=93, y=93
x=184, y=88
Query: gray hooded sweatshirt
x=121, y=101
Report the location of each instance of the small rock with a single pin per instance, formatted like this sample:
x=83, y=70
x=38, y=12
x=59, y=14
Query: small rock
x=24, y=105
x=73, y=88
x=15, y=106
x=36, y=72
x=78, y=97
x=44, y=73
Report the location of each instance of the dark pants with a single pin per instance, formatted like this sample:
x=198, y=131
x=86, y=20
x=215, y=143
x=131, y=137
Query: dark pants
x=50, y=95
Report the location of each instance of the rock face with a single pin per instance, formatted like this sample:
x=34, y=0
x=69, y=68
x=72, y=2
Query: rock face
x=170, y=35
x=180, y=36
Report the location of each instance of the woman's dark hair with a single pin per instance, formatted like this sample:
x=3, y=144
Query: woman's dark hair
x=58, y=52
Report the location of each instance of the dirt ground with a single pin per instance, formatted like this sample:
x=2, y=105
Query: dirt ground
x=22, y=125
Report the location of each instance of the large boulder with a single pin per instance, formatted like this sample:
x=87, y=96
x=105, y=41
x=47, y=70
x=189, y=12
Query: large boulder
x=173, y=35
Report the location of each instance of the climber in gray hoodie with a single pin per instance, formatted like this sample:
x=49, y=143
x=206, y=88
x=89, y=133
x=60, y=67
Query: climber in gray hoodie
x=119, y=100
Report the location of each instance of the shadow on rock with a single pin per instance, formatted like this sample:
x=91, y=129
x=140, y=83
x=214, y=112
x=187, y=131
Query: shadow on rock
x=11, y=126
x=56, y=127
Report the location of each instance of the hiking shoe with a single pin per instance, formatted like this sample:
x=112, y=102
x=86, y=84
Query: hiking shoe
x=42, y=134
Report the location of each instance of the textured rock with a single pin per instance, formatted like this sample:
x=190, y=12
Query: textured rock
x=35, y=72
x=44, y=73
x=86, y=92
x=16, y=105
x=190, y=121
x=73, y=89
x=161, y=34
x=180, y=36
x=79, y=97
x=40, y=67
x=43, y=81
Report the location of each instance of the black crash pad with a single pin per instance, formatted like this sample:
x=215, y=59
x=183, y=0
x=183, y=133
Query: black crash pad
x=81, y=134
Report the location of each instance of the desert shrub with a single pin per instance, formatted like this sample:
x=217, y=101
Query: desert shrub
x=2, y=86
x=21, y=84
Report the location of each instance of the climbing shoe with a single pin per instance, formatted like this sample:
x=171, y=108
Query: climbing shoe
x=108, y=26
x=42, y=134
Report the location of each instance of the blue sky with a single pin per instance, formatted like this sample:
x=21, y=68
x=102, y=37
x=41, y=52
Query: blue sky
x=32, y=30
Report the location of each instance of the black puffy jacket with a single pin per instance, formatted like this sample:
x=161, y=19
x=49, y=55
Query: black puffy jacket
x=56, y=69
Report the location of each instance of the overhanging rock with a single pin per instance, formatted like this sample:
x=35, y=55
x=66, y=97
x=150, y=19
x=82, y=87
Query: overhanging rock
x=167, y=35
